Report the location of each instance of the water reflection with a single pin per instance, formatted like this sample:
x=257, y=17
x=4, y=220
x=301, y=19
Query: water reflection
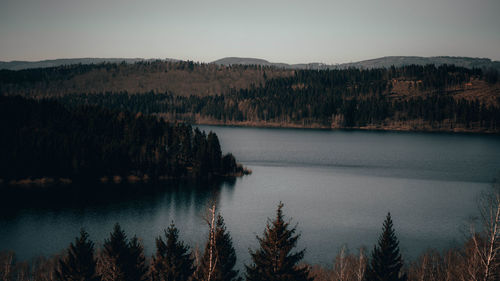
x=107, y=197
x=46, y=221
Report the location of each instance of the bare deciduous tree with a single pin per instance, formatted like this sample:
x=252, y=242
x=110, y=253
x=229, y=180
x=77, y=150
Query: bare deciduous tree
x=487, y=242
x=346, y=266
x=212, y=246
x=7, y=264
x=361, y=264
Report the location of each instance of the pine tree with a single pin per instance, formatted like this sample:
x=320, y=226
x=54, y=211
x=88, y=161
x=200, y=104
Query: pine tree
x=111, y=259
x=386, y=261
x=122, y=260
x=274, y=261
x=224, y=257
x=172, y=260
x=137, y=267
x=214, y=152
x=79, y=263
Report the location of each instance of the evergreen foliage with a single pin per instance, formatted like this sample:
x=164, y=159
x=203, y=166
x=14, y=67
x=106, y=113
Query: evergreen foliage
x=224, y=259
x=491, y=76
x=346, y=98
x=172, y=261
x=79, y=264
x=274, y=260
x=42, y=138
x=123, y=260
x=182, y=77
x=386, y=263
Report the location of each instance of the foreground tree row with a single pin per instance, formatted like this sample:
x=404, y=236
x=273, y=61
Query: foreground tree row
x=121, y=258
x=477, y=259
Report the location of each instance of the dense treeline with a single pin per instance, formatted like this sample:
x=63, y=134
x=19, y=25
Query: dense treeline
x=410, y=97
x=182, y=77
x=413, y=97
x=42, y=138
x=65, y=72
x=276, y=257
x=30, y=76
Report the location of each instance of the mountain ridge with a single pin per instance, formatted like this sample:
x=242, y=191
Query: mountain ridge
x=382, y=62
x=19, y=65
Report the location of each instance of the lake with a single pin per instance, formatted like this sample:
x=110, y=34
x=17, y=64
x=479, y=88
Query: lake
x=337, y=185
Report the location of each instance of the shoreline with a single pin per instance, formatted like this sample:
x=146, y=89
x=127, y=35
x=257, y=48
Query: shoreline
x=375, y=128
x=113, y=180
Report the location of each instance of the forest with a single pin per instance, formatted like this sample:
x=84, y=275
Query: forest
x=42, y=139
x=276, y=257
x=183, y=78
x=420, y=98
x=411, y=98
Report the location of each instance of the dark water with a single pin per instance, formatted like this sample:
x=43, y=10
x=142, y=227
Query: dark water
x=338, y=186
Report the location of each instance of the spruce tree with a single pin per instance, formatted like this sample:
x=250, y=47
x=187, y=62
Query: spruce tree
x=137, y=267
x=275, y=261
x=172, y=260
x=224, y=257
x=386, y=262
x=214, y=152
x=79, y=262
x=123, y=260
x=112, y=256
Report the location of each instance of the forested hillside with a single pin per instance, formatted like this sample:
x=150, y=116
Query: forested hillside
x=422, y=98
x=383, y=62
x=43, y=139
x=415, y=97
x=182, y=78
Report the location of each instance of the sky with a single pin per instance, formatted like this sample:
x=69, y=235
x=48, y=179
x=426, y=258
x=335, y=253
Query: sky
x=290, y=31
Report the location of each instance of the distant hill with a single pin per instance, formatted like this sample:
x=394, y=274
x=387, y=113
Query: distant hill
x=409, y=60
x=18, y=65
x=254, y=61
x=180, y=77
x=365, y=64
x=386, y=62
x=243, y=61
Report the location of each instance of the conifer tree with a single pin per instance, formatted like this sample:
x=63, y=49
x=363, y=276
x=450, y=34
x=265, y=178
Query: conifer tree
x=172, y=260
x=121, y=259
x=224, y=256
x=214, y=152
x=386, y=261
x=137, y=267
x=112, y=256
x=275, y=261
x=79, y=263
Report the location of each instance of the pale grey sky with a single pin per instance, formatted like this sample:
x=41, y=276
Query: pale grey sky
x=328, y=31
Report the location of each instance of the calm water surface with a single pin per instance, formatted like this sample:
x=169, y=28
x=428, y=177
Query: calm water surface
x=337, y=185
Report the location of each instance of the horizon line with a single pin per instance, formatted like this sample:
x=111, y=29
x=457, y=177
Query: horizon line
x=237, y=57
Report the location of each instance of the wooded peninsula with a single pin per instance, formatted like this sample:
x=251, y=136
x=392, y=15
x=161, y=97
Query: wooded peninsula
x=44, y=140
